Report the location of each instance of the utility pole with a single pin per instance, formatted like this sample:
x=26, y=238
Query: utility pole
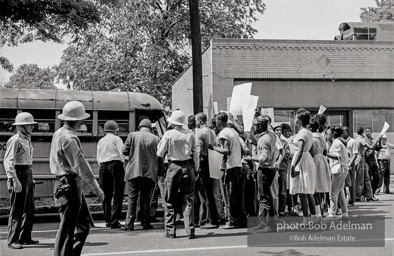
x=196, y=55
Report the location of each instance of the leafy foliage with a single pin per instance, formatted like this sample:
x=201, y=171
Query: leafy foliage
x=24, y=21
x=30, y=76
x=144, y=46
x=383, y=12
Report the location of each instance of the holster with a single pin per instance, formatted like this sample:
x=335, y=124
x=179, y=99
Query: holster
x=61, y=193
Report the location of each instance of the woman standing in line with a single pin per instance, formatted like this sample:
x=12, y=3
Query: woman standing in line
x=323, y=175
x=303, y=169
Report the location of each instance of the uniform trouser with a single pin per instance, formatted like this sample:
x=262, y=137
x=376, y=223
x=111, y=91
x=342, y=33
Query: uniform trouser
x=373, y=171
x=384, y=175
x=352, y=188
x=212, y=212
x=337, y=193
x=75, y=220
x=180, y=177
x=265, y=177
x=282, y=180
x=20, y=221
x=234, y=185
x=363, y=182
x=111, y=176
x=142, y=186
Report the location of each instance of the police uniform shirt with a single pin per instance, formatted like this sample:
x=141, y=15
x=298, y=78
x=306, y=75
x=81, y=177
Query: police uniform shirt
x=66, y=157
x=19, y=152
x=385, y=152
x=178, y=143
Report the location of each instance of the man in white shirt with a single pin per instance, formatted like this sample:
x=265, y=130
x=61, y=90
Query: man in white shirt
x=384, y=155
x=111, y=173
x=230, y=147
x=348, y=141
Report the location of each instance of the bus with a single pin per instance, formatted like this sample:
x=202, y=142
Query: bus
x=126, y=108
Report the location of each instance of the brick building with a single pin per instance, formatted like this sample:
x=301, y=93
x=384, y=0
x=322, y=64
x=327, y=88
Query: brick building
x=353, y=79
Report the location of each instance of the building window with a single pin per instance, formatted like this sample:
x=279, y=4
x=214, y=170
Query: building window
x=375, y=119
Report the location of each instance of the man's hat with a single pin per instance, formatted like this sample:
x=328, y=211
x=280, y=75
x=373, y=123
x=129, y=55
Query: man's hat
x=73, y=111
x=24, y=118
x=177, y=118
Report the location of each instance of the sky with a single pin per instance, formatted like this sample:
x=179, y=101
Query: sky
x=283, y=19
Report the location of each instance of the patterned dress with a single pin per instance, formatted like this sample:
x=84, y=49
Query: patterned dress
x=323, y=174
x=304, y=183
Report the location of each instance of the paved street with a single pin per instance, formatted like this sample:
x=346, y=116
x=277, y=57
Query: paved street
x=104, y=241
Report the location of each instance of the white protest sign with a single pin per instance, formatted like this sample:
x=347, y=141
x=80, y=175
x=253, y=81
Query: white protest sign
x=269, y=112
x=248, y=110
x=215, y=108
x=239, y=93
x=321, y=110
x=215, y=161
x=386, y=126
x=228, y=103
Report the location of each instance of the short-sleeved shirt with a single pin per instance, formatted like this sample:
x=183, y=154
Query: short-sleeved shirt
x=359, y=146
x=234, y=158
x=369, y=153
x=204, y=137
x=179, y=144
x=385, y=152
x=349, y=145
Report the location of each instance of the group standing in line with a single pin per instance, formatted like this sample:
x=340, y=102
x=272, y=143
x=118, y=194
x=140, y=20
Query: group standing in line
x=320, y=170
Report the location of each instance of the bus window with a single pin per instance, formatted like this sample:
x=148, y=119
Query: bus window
x=45, y=120
x=7, y=118
x=86, y=126
x=120, y=117
x=152, y=115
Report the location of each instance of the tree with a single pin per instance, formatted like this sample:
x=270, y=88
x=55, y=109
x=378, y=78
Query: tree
x=144, y=46
x=30, y=76
x=383, y=12
x=24, y=21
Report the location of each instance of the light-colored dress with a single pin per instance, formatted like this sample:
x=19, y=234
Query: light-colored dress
x=323, y=174
x=304, y=183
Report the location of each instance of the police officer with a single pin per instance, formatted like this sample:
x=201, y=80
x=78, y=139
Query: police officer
x=111, y=173
x=18, y=161
x=180, y=146
x=74, y=175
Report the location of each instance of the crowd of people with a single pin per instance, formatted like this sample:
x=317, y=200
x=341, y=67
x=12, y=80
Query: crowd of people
x=269, y=172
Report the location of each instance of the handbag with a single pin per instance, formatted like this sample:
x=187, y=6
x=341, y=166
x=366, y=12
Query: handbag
x=337, y=168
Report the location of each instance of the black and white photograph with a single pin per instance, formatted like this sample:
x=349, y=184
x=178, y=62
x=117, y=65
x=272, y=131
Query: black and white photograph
x=196, y=127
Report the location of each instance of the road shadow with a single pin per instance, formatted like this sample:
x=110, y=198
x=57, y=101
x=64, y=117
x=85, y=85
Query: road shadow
x=292, y=252
x=96, y=244
x=40, y=245
x=213, y=234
